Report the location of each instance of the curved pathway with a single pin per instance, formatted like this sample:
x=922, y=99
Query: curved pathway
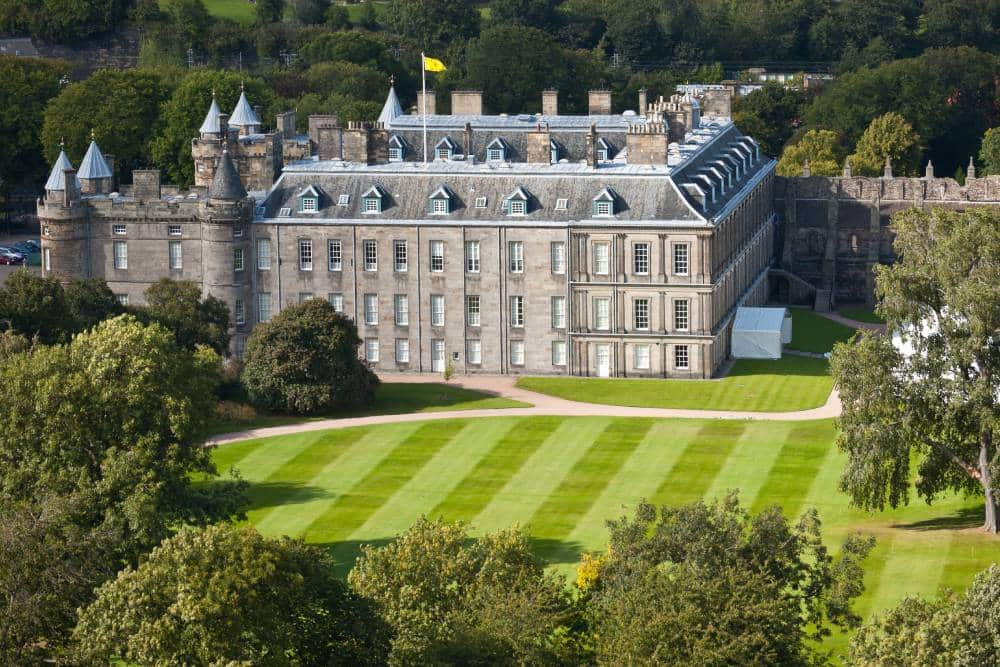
x=541, y=405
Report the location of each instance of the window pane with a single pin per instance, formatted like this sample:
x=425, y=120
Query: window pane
x=640, y=257
x=642, y=357
x=238, y=259
x=517, y=352
x=680, y=259
x=263, y=254
x=335, y=262
x=602, y=313
x=121, y=255
x=472, y=256
x=175, y=256
x=337, y=301
x=515, y=251
x=601, y=252
x=399, y=255
x=472, y=310
x=305, y=255
x=681, y=360
x=641, y=314
x=474, y=352
x=402, y=350
x=558, y=353
x=437, y=256
x=371, y=309
x=517, y=311
x=371, y=349
x=263, y=307
x=437, y=310
x=371, y=256
x=681, y=319
x=558, y=249
x=402, y=309
x=558, y=312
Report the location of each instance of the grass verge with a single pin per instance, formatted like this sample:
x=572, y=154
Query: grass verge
x=814, y=333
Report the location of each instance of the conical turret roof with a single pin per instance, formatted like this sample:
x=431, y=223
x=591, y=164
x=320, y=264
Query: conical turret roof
x=94, y=165
x=211, y=123
x=57, y=179
x=226, y=184
x=391, y=110
x=244, y=115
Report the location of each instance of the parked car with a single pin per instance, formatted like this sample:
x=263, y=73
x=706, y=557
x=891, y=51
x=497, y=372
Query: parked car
x=8, y=257
x=24, y=247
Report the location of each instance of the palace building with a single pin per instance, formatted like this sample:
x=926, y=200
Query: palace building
x=602, y=244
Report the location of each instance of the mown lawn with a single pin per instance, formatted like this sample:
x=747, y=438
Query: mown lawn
x=861, y=315
x=390, y=398
x=235, y=10
x=789, y=384
x=815, y=333
x=562, y=477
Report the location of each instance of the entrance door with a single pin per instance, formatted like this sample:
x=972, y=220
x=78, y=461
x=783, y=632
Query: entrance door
x=603, y=361
x=437, y=356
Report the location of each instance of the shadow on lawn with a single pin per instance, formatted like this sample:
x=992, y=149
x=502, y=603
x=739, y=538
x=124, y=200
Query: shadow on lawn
x=787, y=365
x=272, y=494
x=968, y=517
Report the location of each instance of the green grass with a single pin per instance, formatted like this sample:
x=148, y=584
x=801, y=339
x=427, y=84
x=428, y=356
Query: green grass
x=861, y=315
x=562, y=477
x=240, y=11
x=789, y=384
x=814, y=333
x=390, y=398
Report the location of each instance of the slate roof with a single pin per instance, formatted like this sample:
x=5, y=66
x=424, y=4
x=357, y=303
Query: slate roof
x=211, y=123
x=57, y=179
x=226, y=183
x=93, y=165
x=244, y=115
x=391, y=110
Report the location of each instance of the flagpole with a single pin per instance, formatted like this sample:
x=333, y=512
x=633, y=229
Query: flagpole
x=423, y=101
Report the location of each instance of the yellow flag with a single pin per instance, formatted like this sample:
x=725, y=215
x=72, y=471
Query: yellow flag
x=433, y=65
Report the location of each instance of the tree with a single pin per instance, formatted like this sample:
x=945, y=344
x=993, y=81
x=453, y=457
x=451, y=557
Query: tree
x=188, y=23
x=769, y=115
x=853, y=23
x=34, y=306
x=958, y=630
x=62, y=21
x=305, y=360
x=121, y=107
x=337, y=18
x=453, y=600
x=433, y=23
x=269, y=11
x=12, y=343
x=934, y=409
x=709, y=584
x=90, y=302
x=26, y=86
x=989, y=152
x=888, y=136
x=634, y=35
x=178, y=306
x=309, y=12
x=821, y=148
x=961, y=23
x=184, y=112
x=541, y=14
x=112, y=420
x=226, y=595
x=49, y=566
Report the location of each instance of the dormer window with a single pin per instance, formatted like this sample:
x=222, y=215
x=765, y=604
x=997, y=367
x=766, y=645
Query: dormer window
x=562, y=204
x=553, y=152
x=439, y=203
x=371, y=200
x=309, y=200
x=604, y=150
x=397, y=148
x=496, y=151
x=603, y=205
x=344, y=200
x=516, y=202
x=444, y=149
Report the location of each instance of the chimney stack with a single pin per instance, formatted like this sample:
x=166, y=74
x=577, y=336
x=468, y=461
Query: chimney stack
x=550, y=102
x=539, y=151
x=642, y=101
x=286, y=124
x=970, y=172
x=592, y=147
x=426, y=104
x=599, y=102
x=467, y=103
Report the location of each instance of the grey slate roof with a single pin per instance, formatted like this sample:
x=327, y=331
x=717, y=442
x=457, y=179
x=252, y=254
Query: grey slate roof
x=520, y=122
x=391, y=110
x=94, y=165
x=226, y=184
x=244, y=115
x=57, y=179
x=211, y=123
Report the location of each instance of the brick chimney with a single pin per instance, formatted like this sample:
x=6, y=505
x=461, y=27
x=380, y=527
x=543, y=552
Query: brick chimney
x=642, y=101
x=286, y=124
x=538, y=145
x=550, y=102
x=599, y=102
x=426, y=105
x=356, y=143
x=467, y=103
x=647, y=143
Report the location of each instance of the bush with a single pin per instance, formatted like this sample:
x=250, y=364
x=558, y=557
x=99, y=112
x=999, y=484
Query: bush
x=305, y=360
x=231, y=411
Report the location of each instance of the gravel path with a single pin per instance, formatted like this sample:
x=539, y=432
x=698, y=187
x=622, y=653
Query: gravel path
x=542, y=405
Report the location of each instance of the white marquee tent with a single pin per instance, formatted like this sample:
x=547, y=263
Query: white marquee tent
x=759, y=333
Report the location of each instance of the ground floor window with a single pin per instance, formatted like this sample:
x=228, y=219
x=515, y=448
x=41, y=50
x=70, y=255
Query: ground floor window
x=558, y=353
x=681, y=359
x=371, y=349
x=474, y=352
x=402, y=351
x=122, y=299
x=642, y=357
x=517, y=353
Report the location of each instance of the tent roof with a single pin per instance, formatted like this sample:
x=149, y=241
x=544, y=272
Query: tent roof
x=759, y=319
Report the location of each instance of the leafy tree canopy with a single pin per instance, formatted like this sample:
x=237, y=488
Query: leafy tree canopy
x=989, y=151
x=935, y=409
x=709, y=584
x=62, y=21
x=820, y=148
x=34, y=306
x=306, y=360
x=454, y=600
x=90, y=302
x=226, y=595
x=769, y=115
x=178, y=306
x=888, y=137
x=433, y=23
x=541, y=14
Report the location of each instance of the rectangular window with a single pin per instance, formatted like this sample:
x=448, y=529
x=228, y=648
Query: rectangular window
x=562, y=204
x=437, y=256
x=517, y=311
x=517, y=353
x=373, y=205
x=494, y=154
x=640, y=311
x=263, y=307
x=602, y=313
x=642, y=357
x=472, y=310
x=176, y=260
x=305, y=255
x=239, y=313
x=122, y=299
x=402, y=351
x=336, y=258
x=371, y=310
x=336, y=300
x=309, y=205
x=558, y=312
x=237, y=232
x=602, y=209
x=48, y=259
x=305, y=296
x=437, y=310
x=640, y=259
x=472, y=256
x=681, y=319
x=680, y=259
x=239, y=262
x=371, y=255
x=602, y=252
x=401, y=307
x=481, y=202
x=558, y=251
x=558, y=353
x=173, y=230
x=515, y=252
x=399, y=255
x=343, y=200
x=516, y=207
x=443, y=153
x=371, y=350
x=439, y=206
x=395, y=155
x=263, y=254
x=121, y=255
x=118, y=230
x=474, y=352
x=681, y=359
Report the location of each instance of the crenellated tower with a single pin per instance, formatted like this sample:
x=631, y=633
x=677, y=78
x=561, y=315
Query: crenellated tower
x=64, y=223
